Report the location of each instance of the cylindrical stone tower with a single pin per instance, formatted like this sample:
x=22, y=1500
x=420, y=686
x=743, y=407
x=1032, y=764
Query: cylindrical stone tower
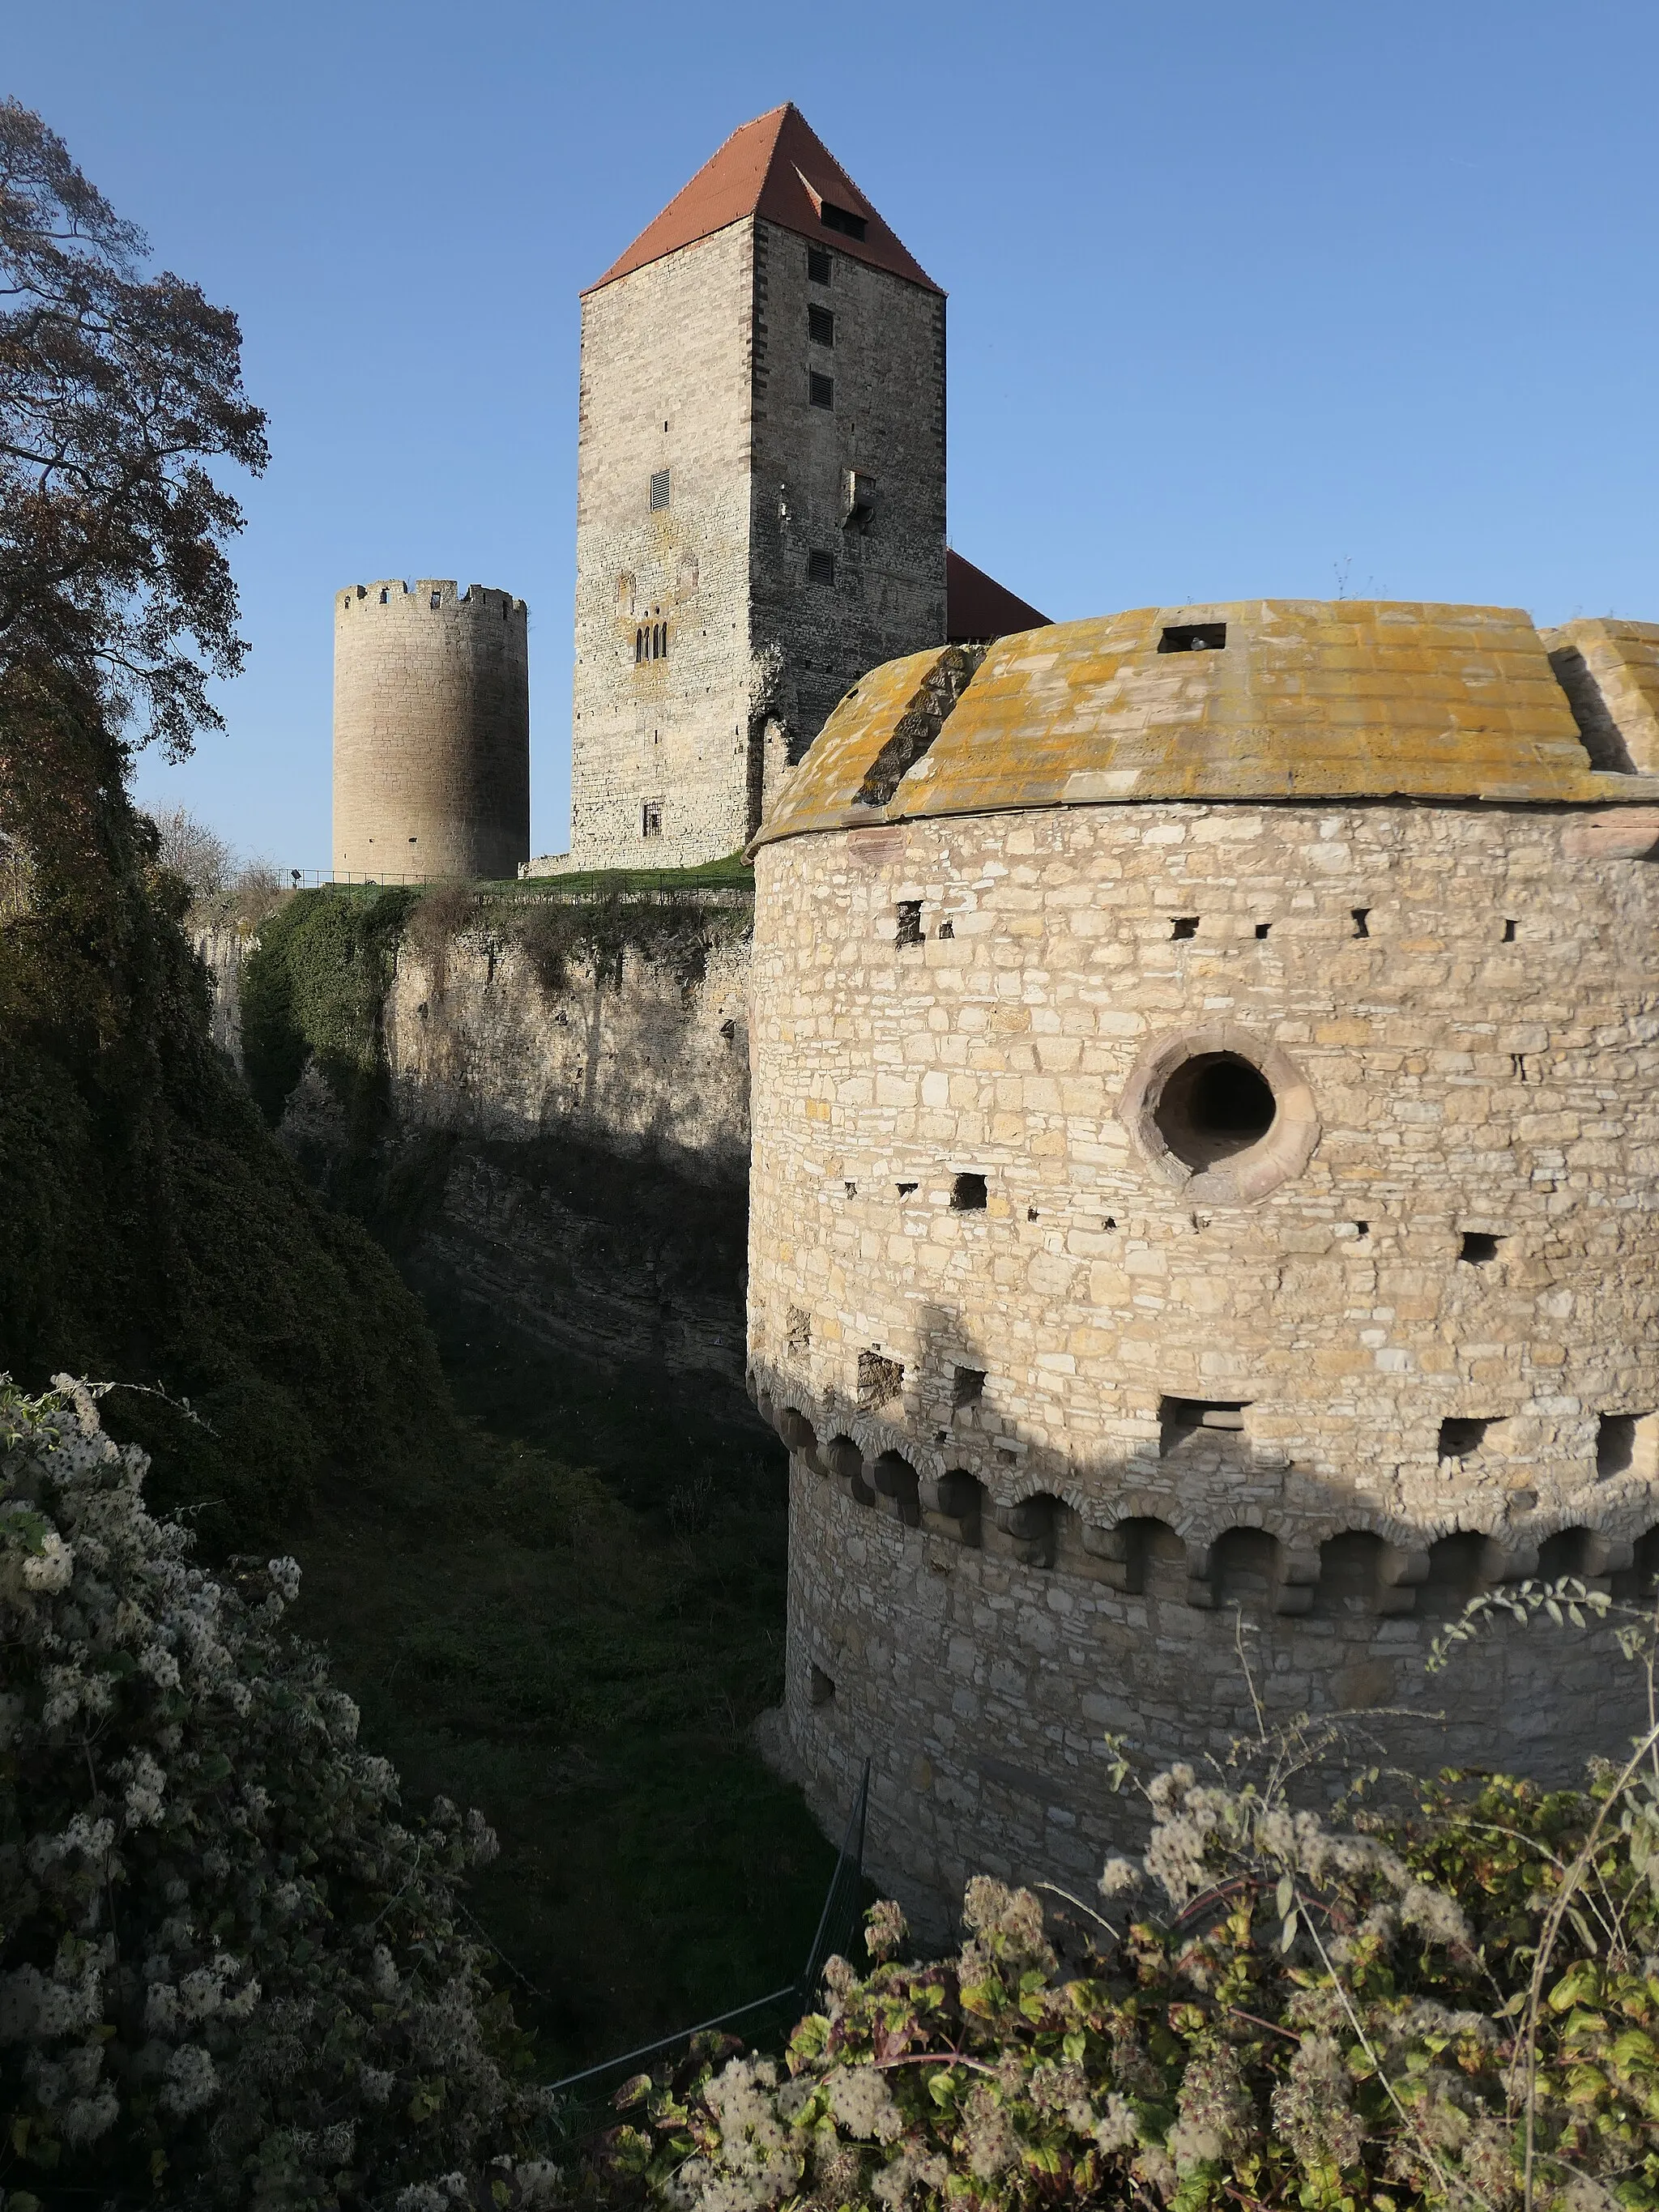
x=431, y=732
x=1205, y=1115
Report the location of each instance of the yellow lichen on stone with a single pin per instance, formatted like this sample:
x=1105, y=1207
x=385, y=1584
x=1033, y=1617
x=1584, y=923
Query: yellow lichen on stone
x=1354, y=699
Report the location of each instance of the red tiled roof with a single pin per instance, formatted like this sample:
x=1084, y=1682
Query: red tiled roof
x=977, y=607
x=779, y=167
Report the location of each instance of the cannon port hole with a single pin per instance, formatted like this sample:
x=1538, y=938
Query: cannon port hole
x=1214, y=1107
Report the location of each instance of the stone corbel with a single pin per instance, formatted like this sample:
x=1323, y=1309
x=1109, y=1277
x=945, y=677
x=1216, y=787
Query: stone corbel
x=1201, y=1584
x=1399, y=1574
x=1108, y=1549
x=846, y=1464
x=1298, y=1573
x=1502, y=1562
x=1032, y=1532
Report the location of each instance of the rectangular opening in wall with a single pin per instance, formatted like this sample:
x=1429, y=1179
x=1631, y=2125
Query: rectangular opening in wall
x=841, y=219
x=651, y=818
x=1184, y=925
x=820, y=326
x=967, y=1194
x=1261, y=929
x=908, y=931
x=1194, y=637
x=967, y=1387
x=880, y=1380
x=1478, y=1249
x=821, y=568
x=659, y=491
x=817, y=265
x=1180, y=1419
x=1362, y=920
x=1627, y=1443
x=821, y=390
x=1462, y=1435
x=821, y=1688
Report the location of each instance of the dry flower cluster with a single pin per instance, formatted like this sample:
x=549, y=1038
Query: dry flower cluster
x=1454, y=2003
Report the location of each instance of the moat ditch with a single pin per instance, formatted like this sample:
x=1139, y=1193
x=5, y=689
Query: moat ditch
x=576, y=1633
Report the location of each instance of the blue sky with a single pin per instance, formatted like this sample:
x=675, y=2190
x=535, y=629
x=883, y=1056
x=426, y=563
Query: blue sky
x=1244, y=301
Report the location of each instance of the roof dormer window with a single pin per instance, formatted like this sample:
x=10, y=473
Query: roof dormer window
x=841, y=219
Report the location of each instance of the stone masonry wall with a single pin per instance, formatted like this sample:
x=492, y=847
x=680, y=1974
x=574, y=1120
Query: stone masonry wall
x=665, y=379
x=706, y=653
x=886, y=427
x=431, y=732
x=1069, y=1404
x=644, y=1059
x=593, y=1134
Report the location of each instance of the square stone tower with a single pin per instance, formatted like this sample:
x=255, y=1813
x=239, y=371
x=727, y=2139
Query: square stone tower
x=761, y=493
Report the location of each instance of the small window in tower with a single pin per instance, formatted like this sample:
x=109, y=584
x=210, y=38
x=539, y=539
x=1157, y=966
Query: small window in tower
x=841, y=219
x=651, y=818
x=967, y=1194
x=638, y=643
x=820, y=326
x=437, y=598
x=817, y=265
x=1194, y=637
x=821, y=390
x=820, y=568
x=386, y=598
x=908, y=931
x=659, y=491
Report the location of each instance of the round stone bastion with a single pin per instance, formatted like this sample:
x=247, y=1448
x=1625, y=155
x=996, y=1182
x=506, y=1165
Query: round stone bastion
x=1205, y=1114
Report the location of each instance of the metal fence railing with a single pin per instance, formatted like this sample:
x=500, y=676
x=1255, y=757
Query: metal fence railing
x=586, y=2092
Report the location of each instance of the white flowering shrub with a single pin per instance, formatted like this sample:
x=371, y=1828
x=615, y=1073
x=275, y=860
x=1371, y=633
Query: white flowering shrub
x=1453, y=2006
x=230, y=1972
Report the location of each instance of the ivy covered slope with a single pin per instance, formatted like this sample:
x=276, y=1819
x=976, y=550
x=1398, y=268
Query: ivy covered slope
x=155, y=1234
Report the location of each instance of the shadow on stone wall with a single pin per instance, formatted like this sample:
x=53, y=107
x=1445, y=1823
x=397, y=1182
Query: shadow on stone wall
x=617, y=1259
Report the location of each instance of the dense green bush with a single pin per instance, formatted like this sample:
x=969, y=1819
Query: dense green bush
x=314, y=991
x=230, y=1972
x=1454, y=2004
x=153, y=1232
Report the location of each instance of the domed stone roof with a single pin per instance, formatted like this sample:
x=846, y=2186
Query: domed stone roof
x=1261, y=699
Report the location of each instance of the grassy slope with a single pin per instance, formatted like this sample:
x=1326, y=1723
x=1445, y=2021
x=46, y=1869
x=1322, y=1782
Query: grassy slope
x=575, y=1636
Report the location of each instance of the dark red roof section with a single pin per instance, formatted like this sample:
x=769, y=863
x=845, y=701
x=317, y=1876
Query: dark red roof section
x=779, y=167
x=976, y=606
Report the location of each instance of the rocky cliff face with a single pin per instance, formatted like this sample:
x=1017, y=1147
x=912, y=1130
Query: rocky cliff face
x=590, y=1139
x=567, y=1139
